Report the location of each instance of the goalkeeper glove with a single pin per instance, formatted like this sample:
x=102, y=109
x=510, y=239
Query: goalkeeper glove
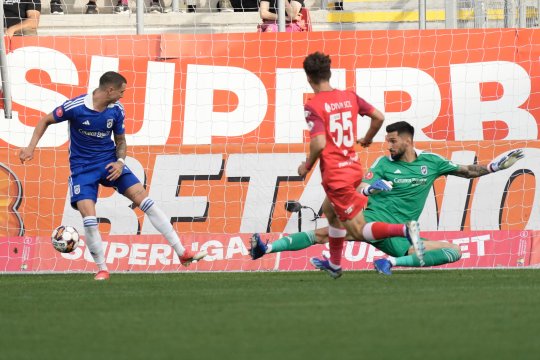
x=504, y=162
x=378, y=186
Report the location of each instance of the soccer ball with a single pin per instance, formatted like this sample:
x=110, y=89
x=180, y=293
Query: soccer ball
x=65, y=238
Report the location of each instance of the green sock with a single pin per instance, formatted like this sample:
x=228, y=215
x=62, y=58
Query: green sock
x=294, y=242
x=431, y=258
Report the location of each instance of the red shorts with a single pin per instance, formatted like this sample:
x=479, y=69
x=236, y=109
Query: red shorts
x=346, y=201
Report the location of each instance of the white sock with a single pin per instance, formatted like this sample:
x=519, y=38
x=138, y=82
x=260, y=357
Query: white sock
x=367, y=233
x=162, y=224
x=268, y=249
x=392, y=260
x=94, y=242
x=333, y=266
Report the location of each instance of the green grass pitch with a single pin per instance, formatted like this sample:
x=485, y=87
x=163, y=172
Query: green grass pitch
x=482, y=314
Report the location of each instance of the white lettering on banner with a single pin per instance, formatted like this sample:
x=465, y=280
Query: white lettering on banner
x=372, y=85
x=360, y=253
x=61, y=70
x=116, y=251
x=263, y=172
x=291, y=85
x=428, y=217
x=490, y=194
x=201, y=122
x=161, y=253
x=455, y=196
x=372, y=252
x=150, y=254
x=214, y=249
x=138, y=255
x=98, y=66
x=470, y=112
x=479, y=240
x=168, y=173
x=158, y=105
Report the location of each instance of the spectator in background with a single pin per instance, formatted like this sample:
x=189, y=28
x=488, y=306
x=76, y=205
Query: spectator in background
x=21, y=17
x=91, y=7
x=294, y=22
x=56, y=7
x=155, y=7
x=225, y=6
x=245, y=5
x=191, y=5
x=122, y=7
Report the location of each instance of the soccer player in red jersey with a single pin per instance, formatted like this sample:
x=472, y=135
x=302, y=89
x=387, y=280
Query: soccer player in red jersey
x=331, y=116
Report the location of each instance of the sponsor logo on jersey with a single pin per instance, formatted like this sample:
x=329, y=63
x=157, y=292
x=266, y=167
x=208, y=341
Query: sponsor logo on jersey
x=109, y=123
x=86, y=122
x=98, y=134
x=397, y=171
x=337, y=106
x=412, y=181
x=59, y=111
x=351, y=161
x=77, y=189
x=423, y=170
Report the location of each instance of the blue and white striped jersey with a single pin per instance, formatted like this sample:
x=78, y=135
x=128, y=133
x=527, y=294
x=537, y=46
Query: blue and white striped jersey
x=90, y=131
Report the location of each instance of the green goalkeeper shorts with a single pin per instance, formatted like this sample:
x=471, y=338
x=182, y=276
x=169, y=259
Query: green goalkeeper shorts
x=394, y=246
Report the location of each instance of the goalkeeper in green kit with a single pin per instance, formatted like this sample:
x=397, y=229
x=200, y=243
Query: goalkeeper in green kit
x=397, y=187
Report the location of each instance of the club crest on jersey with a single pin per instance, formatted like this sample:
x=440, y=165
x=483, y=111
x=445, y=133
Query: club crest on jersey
x=59, y=111
x=423, y=170
x=77, y=189
x=369, y=175
x=109, y=123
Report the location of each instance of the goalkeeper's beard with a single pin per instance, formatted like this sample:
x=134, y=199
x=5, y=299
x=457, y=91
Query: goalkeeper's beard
x=398, y=155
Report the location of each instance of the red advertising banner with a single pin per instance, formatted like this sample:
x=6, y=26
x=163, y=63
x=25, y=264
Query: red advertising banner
x=480, y=249
x=215, y=131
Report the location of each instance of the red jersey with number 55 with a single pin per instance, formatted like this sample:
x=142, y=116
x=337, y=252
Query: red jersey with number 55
x=335, y=114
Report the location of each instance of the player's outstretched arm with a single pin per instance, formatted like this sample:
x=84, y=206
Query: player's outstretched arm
x=501, y=163
x=27, y=153
x=377, y=119
x=316, y=146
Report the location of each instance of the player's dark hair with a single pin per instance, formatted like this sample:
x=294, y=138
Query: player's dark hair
x=402, y=127
x=317, y=67
x=112, y=78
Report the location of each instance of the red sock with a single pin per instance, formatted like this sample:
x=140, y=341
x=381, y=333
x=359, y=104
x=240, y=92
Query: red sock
x=380, y=230
x=336, y=250
x=336, y=237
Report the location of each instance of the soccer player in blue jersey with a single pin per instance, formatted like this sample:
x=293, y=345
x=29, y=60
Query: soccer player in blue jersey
x=95, y=159
x=397, y=186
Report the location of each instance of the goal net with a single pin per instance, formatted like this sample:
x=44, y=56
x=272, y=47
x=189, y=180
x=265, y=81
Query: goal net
x=215, y=131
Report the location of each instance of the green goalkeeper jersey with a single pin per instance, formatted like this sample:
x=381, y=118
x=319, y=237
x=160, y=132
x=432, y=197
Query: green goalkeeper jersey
x=411, y=184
